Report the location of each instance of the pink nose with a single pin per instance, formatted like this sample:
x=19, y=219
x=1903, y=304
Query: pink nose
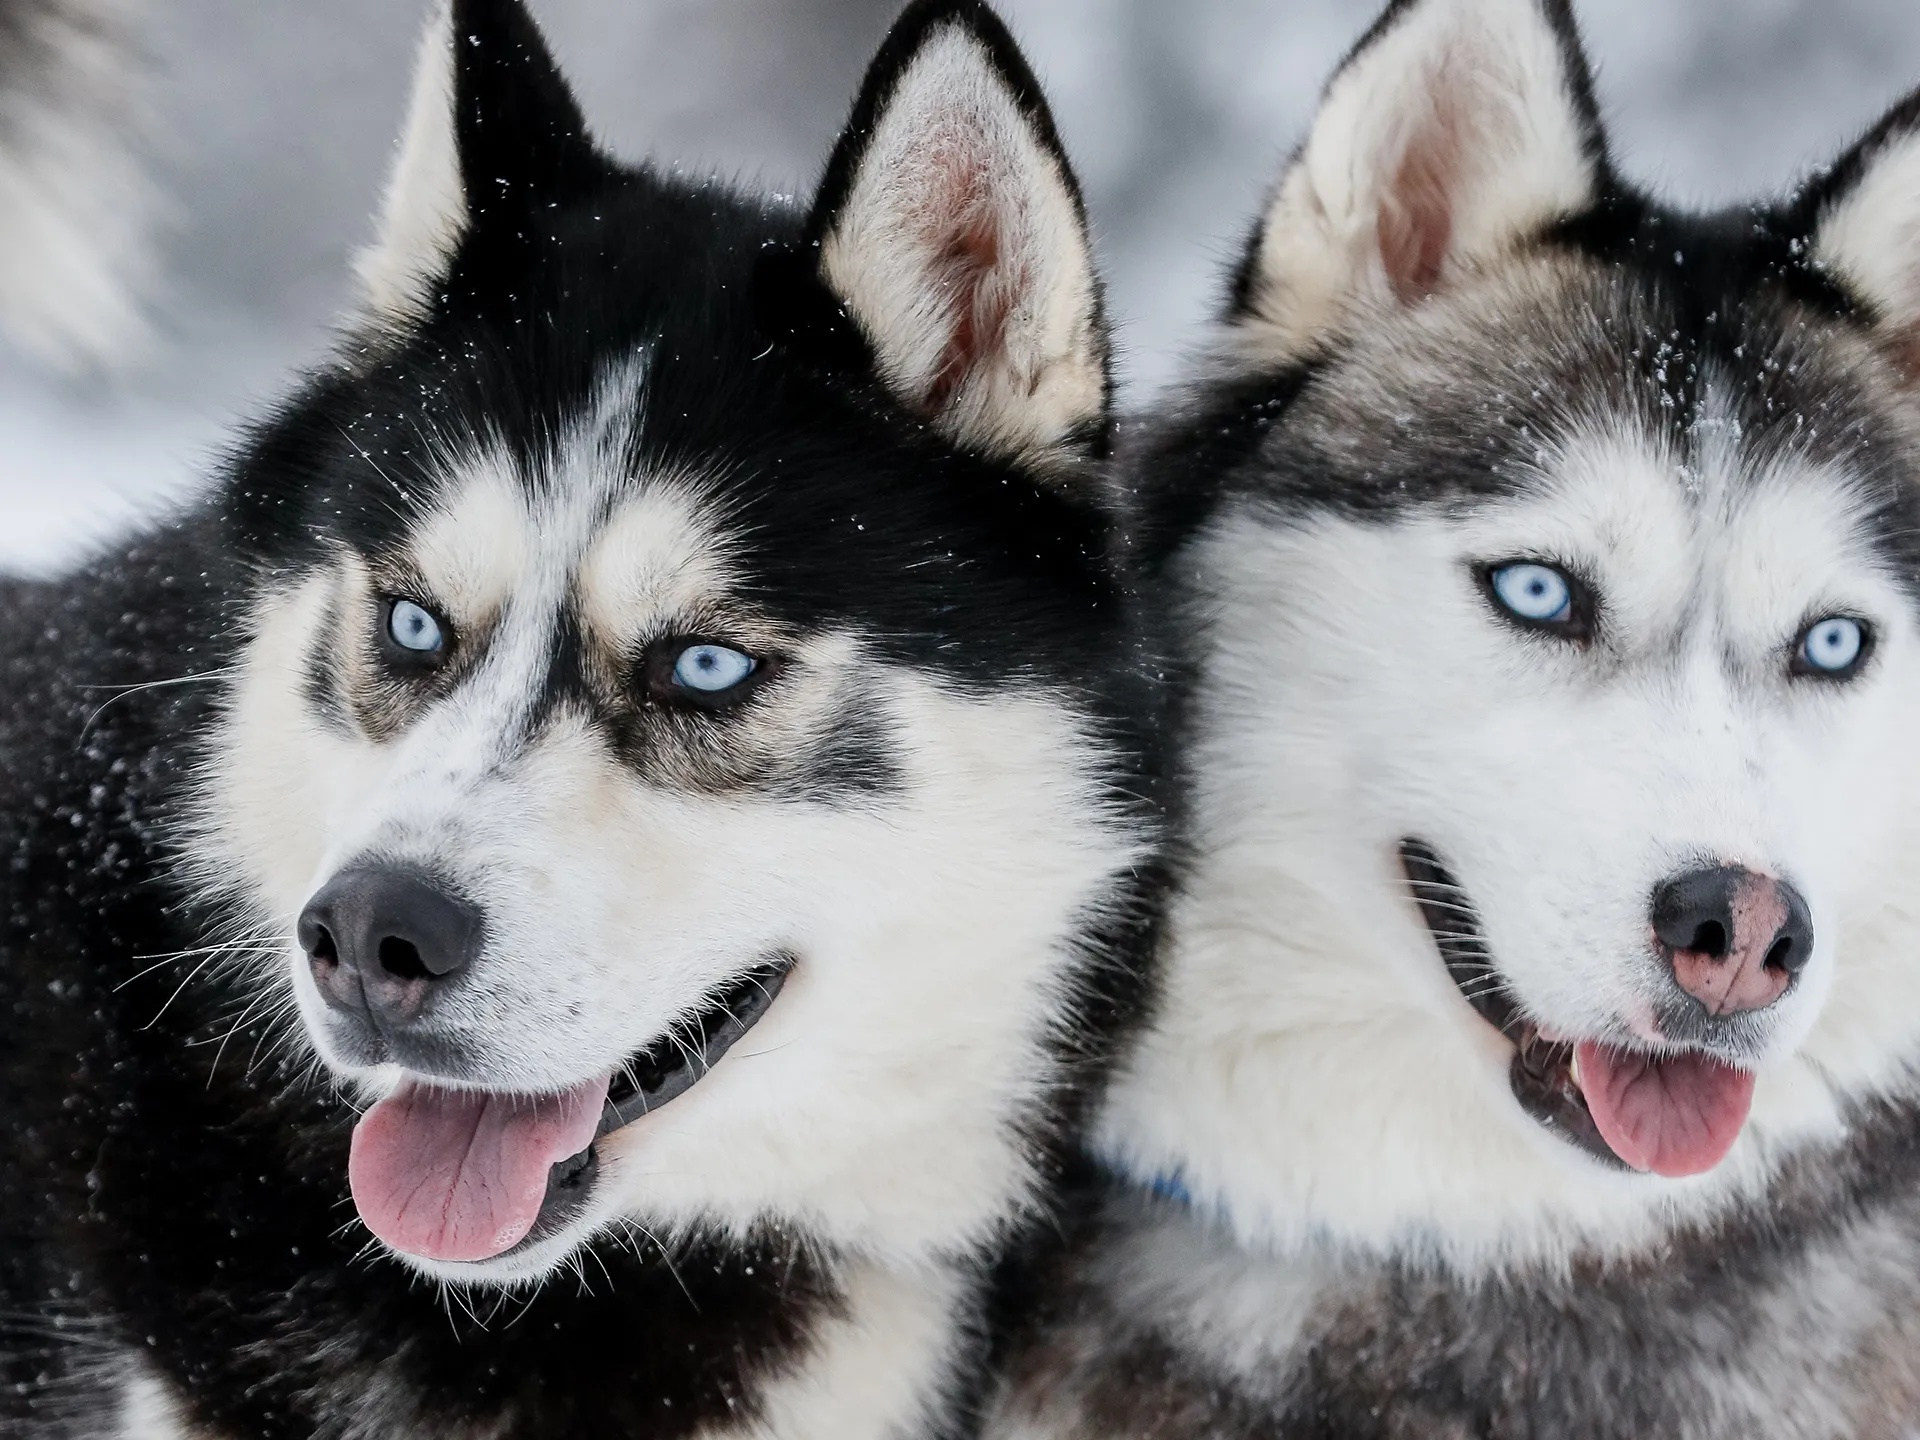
x=1735, y=939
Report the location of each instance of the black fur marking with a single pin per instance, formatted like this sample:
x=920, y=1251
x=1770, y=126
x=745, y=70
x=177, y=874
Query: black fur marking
x=565, y=682
x=22, y=40
x=795, y=309
x=1182, y=466
x=855, y=761
x=522, y=139
x=325, y=687
x=1540, y=1356
x=1704, y=265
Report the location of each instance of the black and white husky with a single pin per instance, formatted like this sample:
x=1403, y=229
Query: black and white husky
x=652, y=728
x=1541, y=1046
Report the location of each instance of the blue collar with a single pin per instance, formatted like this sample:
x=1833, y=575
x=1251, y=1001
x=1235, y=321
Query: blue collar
x=1171, y=1186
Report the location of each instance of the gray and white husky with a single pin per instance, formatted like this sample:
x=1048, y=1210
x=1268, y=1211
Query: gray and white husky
x=1541, y=1048
x=576, y=894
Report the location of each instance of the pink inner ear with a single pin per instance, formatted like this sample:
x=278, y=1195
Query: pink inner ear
x=1416, y=213
x=963, y=226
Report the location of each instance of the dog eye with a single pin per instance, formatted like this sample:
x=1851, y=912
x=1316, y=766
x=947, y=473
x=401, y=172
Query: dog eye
x=702, y=674
x=1833, y=648
x=414, y=629
x=712, y=669
x=1538, y=594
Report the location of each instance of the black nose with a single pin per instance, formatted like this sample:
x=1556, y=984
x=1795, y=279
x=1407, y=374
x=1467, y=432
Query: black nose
x=1735, y=939
x=380, y=939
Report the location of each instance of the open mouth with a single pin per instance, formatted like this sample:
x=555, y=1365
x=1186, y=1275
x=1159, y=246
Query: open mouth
x=1671, y=1114
x=462, y=1175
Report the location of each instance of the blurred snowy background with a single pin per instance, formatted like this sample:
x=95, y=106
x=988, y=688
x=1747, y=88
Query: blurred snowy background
x=265, y=129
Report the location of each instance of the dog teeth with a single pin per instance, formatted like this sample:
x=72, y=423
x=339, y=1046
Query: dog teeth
x=1573, y=1069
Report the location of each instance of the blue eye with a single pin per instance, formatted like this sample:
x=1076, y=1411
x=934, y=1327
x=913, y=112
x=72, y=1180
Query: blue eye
x=1832, y=647
x=711, y=669
x=413, y=628
x=1536, y=593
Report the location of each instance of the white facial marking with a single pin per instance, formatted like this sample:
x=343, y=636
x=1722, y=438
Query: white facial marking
x=658, y=555
x=475, y=545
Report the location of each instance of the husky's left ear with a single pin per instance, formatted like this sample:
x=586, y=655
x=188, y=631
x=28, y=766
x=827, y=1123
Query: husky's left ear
x=492, y=135
x=1866, y=228
x=950, y=227
x=1455, y=132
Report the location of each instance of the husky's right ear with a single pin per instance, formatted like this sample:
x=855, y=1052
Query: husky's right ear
x=492, y=133
x=950, y=228
x=1864, y=215
x=1454, y=131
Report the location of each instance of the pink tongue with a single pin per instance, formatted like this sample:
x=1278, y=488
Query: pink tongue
x=459, y=1174
x=1677, y=1116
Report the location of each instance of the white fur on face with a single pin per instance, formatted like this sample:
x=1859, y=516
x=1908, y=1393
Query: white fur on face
x=1451, y=138
x=1315, y=1071
x=961, y=252
x=425, y=209
x=874, y=1102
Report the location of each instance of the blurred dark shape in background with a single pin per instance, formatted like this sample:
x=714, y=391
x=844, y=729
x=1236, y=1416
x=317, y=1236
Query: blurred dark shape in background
x=183, y=182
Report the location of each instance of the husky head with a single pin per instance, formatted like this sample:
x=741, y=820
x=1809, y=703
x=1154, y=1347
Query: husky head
x=1551, y=561
x=684, y=673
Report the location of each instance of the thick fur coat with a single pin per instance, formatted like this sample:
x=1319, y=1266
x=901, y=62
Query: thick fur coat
x=707, y=603
x=1542, y=1015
